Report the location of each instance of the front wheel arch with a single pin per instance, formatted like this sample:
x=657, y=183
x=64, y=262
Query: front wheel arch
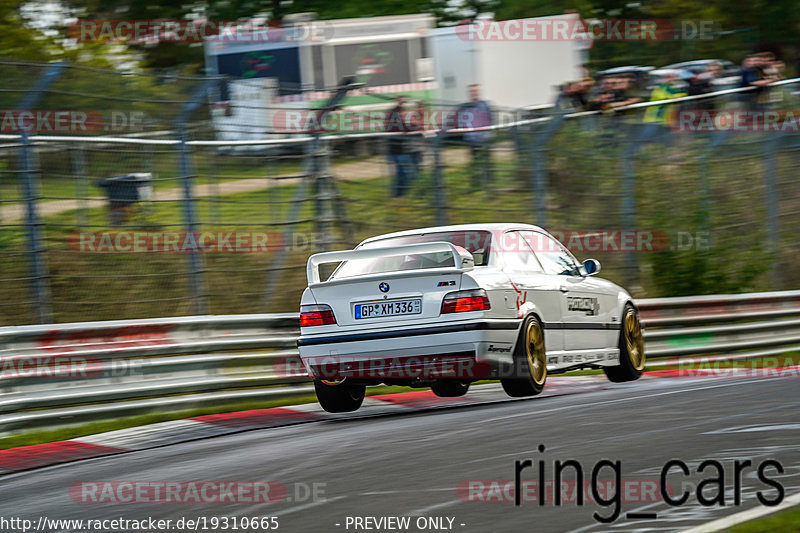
x=632, y=353
x=627, y=303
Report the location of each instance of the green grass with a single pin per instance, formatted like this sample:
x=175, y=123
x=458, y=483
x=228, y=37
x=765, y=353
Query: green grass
x=784, y=521
x=72, y=432
x=584, y=193
x=60, y=177
x=124, y=285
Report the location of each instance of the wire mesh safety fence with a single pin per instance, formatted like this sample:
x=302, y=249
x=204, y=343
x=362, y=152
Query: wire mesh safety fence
x=173, y=217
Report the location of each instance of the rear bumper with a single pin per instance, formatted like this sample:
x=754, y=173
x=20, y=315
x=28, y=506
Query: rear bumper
x=463, y=350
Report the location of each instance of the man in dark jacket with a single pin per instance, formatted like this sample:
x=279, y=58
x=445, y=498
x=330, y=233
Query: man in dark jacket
x=397, y=148
x=477, y=113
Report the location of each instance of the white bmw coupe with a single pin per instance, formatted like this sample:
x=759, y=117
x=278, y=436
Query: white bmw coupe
x=443, y=307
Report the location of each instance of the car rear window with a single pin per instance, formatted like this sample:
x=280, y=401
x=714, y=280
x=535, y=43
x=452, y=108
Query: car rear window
x=475, y=242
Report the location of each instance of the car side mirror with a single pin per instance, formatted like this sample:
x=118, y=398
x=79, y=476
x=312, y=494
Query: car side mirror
x=591, y=267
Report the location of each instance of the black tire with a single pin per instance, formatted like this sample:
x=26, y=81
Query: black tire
x=450, y=388
x=631, y=349
x=339, y=398
x=530, y=361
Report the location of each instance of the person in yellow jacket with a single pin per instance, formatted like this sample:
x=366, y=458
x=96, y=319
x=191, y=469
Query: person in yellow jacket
x=668, y=89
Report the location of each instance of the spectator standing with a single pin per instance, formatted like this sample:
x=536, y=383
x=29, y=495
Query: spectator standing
x=564, y=98
x=614, y=92
x=419, y=123
x=756, y=73
x=585, y=87
x=773, y=70
x=659, y=118
x=477, y=113
x=398, y=151
x=605, y=95
x=623, y=92
x=574, y=95
x=703, y=83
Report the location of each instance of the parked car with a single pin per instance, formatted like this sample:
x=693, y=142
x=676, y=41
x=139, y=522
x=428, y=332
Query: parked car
x=731, y=74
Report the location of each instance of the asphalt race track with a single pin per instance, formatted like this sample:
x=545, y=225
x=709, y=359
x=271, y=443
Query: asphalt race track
x=440, y=463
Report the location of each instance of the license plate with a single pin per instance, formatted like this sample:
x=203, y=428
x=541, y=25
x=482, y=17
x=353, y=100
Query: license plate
x=388, y=308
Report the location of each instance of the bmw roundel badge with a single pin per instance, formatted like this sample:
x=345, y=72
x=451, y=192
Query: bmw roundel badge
x=384, y=287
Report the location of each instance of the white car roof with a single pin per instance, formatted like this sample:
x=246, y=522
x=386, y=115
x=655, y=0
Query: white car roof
x=494, y=226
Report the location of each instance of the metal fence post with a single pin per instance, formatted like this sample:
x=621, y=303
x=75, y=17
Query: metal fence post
x=149, y=166
x=81, y=183
x=538, y=155
x=631, y=266
x=539, y=185
x=312, y=176
x=40, y=283
x=640, y=134
x=439, y=201
x=278, y=264
x=196, y=269
x=772, y=207
x=190, y=221
x=715, y=141
x=337, y=207
x=322, y=196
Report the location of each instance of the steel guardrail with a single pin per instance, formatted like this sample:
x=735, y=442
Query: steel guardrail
x=58, y=374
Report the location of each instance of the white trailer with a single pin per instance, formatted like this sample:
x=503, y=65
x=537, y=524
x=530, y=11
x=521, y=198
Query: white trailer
x=513, y=72
x=389, y=54
x=251, y=115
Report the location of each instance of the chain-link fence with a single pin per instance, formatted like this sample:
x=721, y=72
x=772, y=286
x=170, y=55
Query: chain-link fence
x=159, y=217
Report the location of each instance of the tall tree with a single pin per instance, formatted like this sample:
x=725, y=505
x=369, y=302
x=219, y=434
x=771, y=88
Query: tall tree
x=18, y=38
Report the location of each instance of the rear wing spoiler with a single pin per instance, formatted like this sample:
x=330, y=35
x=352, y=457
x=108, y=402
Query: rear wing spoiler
x=462, y=260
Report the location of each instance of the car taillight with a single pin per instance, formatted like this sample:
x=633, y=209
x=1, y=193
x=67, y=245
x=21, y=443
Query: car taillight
x=316, y=315
x=472, y=300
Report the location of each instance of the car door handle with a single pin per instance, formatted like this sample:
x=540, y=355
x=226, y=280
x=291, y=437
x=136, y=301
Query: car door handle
x=564, y=288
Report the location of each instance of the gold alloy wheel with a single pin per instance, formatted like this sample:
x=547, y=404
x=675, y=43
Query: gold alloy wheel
x=534, y=349
x=634, y=339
